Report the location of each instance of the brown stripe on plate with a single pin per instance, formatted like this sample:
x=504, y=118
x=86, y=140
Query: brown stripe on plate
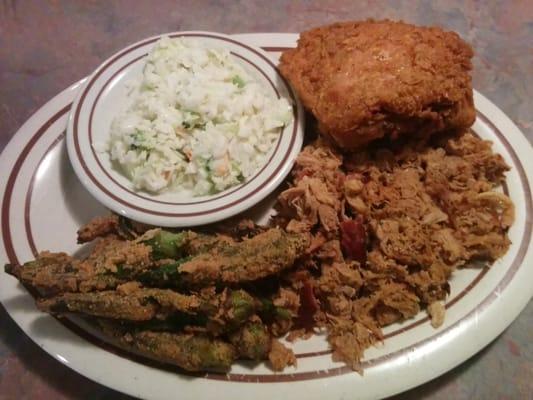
x=27, y=202
x=275, y=49
x=158, y=213
x=6, y=228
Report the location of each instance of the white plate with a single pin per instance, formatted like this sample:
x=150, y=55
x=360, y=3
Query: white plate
x=104, y=95
x=43, y=204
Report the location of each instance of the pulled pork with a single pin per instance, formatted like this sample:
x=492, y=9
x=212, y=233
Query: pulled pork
x=389, y=227
x=316, y=196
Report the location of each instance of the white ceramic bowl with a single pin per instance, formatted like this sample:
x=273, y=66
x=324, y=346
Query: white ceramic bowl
x=103, y=96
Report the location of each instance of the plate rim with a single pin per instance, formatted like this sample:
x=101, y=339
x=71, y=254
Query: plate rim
x=491, y=110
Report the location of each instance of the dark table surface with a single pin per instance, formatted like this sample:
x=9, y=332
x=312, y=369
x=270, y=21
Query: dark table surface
x=47, y=45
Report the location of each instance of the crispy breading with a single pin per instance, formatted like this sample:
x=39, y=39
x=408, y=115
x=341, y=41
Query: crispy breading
x=365, y=80
x=98, y=227
x=142, y=304
x=252, y=341
x=187, y=351
x=263, y=255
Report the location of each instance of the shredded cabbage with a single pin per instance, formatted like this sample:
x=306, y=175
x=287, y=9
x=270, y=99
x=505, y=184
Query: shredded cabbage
x=198, y=122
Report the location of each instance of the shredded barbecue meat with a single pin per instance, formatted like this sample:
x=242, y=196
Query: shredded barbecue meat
x=280, y=356
x=389, y=227
x=316, y=197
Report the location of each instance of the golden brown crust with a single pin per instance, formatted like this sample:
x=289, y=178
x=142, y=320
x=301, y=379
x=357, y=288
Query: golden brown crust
x=366, y=80
x=98, y=227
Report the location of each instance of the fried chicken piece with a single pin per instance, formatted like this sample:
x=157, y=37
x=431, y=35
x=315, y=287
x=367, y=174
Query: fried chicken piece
x=366, y=80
